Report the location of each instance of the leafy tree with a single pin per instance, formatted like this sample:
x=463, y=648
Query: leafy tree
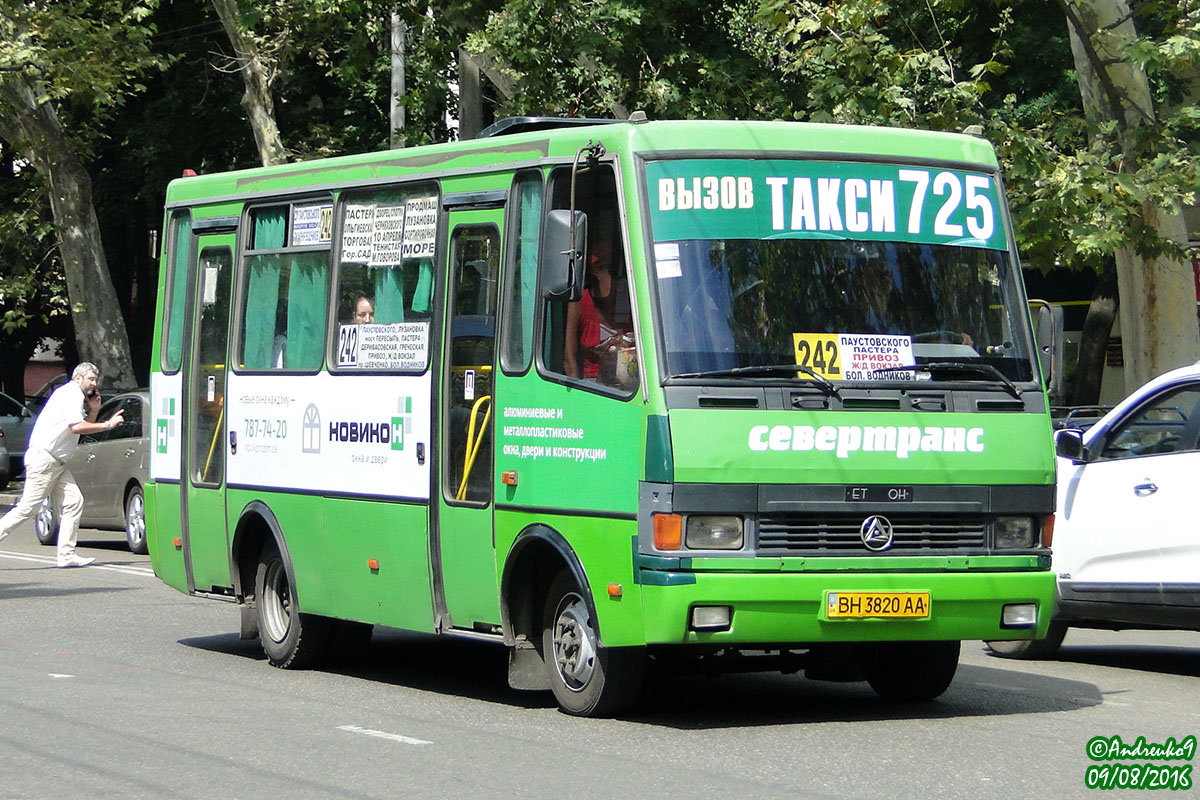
x=32, y=294
x=78, y=59
x=1143, y=169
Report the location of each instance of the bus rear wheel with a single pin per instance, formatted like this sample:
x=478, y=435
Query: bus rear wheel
x=587, y=680
x=290, y=639
x=910, y=670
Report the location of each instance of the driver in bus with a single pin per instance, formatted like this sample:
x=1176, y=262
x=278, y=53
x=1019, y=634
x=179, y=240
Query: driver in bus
x=887, y=308
x=599, y=341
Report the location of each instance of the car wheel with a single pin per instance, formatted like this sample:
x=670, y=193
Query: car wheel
x=587, y=680
x=135, y=521
x=290, y=639
x=1032, y=649
x=910, y=670
x=45, y=522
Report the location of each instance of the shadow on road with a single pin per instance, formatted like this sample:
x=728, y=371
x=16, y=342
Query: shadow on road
x=418, y=661
x=478, y=670
x=1145, y=658
x=25, y=591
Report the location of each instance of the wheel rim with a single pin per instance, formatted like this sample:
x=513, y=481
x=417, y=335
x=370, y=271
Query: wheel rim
x=135, y=519
x=43, y=523
x=276, y=602
x=574, y=643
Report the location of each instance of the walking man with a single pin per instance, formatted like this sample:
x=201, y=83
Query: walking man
x=70, y=411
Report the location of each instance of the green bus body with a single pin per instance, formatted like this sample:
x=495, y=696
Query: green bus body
x=436, y=469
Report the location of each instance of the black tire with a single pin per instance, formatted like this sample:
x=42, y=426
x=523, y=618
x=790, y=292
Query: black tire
x=910, y=670
x=587, y=680
x=1032, y=649
x=135, y=521
x=45, y=523
x=290, y=639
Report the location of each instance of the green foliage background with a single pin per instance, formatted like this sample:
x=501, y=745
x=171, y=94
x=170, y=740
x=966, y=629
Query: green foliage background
x=147, y=88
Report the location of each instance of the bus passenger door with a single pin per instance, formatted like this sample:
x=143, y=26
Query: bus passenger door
x=464, y=540
x=205, y=542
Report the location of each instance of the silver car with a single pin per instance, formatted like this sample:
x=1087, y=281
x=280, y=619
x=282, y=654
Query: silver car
x=4, y=462
x=17, y=423
x=111, y=468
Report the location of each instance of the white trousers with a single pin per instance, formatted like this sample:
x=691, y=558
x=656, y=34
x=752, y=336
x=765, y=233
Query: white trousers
x=46, y=476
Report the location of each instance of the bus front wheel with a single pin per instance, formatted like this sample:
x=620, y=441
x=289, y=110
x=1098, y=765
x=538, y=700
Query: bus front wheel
x=1032, y=648
x=290, y=639
x=910, y=670
x=587, y=680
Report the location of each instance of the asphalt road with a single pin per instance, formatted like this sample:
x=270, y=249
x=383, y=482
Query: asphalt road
x=113, y=685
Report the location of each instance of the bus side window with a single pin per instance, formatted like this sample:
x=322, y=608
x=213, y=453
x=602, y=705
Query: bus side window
x=384, y=273
x=286, y=296
x=520, y=291
x=592, y=339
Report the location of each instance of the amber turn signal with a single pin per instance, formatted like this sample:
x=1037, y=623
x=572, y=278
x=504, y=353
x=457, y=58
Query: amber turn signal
x=668, y=531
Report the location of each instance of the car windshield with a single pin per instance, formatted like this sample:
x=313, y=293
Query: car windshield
x=832, y=271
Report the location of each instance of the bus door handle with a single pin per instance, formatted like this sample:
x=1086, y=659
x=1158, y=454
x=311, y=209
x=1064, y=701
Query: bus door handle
x=1145, y=489
x=233, y=441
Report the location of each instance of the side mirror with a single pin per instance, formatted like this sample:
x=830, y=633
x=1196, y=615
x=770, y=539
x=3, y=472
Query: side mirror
x=1048, y=337
x=563, y=267
x=1068, y=443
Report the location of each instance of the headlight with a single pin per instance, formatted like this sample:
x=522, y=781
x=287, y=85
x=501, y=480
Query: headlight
x=1014, y=532
x=714, y=533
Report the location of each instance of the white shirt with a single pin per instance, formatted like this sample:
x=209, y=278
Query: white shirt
x=52, y=430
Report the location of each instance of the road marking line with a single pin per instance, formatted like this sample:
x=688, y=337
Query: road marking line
x=52, y=560
x=59, y=675
x=395, y=737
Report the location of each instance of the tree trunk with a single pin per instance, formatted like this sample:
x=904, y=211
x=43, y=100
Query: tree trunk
x=100, y=331
x=470, y=98
x=399, y=32
x=256, y=101
x=1157, y=295
x=1093, y=342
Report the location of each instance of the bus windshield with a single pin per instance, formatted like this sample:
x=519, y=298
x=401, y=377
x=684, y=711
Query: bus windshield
x=729, y=303
x=846, y=271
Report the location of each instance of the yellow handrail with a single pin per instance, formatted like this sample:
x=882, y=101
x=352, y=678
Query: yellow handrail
x=213, y=447
x=473, y=443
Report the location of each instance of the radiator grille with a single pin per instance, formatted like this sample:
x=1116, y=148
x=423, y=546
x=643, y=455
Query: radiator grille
x=839, y=534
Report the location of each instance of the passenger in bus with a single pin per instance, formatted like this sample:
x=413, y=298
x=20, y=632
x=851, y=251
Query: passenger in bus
x=599, y=342
x=364, y=310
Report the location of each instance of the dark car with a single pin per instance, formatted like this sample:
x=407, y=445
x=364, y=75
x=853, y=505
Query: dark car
x=111, y=468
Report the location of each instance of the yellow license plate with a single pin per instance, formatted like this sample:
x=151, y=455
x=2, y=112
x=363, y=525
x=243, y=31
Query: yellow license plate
x=859, y=605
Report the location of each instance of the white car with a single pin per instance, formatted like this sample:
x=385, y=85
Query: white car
x=1126, y=547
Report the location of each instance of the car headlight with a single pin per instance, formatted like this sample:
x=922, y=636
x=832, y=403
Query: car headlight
x=714, y=533
x=1014, y=533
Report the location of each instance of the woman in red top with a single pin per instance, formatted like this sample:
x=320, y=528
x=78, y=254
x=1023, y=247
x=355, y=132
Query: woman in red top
x=590, y=321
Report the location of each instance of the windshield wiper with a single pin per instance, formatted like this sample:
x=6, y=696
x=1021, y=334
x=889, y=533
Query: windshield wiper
x=959, y=366
x=766, y=369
